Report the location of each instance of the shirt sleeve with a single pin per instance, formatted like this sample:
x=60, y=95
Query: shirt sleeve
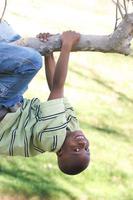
x=72, y=121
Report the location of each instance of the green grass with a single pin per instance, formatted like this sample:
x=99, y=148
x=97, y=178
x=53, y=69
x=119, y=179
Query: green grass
x=104, y=107
x=100, y=87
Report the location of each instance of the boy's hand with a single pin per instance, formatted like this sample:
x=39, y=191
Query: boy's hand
x=43, y=37
x=70, y=38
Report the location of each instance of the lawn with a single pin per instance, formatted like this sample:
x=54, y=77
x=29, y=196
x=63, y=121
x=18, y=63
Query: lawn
x=100, y=87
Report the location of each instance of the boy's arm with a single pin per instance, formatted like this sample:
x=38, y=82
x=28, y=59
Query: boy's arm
x=49, y=61
x=60, y=73
x=49, y=69
x=69, y=39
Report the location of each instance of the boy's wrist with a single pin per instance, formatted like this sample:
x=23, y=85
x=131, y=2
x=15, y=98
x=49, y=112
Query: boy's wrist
x=49, y=56
x=66, y=46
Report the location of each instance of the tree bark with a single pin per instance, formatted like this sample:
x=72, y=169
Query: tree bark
x=117, y=42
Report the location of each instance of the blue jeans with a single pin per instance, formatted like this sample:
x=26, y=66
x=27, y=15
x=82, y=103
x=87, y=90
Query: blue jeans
x=18, y=65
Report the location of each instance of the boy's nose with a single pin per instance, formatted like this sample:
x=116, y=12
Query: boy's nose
x=82, y=143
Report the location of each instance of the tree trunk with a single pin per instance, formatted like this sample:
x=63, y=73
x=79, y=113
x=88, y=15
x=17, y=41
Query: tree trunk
x=117, y=42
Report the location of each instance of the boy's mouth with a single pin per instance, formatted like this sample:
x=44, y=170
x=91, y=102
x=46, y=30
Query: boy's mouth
x=80, y=137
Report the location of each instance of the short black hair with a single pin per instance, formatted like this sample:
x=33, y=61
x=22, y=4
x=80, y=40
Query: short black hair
x=73, y=166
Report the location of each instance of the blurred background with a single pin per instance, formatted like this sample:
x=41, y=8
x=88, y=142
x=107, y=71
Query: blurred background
x=100, y=88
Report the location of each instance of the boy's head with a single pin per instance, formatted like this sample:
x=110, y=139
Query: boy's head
x=74, y=156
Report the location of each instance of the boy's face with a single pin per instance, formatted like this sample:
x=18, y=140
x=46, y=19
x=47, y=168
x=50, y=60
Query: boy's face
x=76, y=144
x=74, y=155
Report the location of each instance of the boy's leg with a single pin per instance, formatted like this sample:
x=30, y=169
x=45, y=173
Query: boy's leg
x=18, y=65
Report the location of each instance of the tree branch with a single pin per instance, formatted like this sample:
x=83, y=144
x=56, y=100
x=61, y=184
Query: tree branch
x=125, y=6
x=117, y=42
x=116, y=17
x=120, y=6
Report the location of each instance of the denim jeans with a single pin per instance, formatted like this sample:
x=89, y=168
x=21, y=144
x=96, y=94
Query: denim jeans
x=18, y=65
x=7, y=33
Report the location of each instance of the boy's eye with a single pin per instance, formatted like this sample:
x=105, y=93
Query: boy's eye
x=77, y=149
x=87, y=149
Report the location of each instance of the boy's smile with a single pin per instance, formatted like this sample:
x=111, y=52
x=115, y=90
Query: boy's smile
x=76, y=143
x=74, y=155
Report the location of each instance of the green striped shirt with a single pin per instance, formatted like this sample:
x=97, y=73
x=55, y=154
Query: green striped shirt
x=36, y=127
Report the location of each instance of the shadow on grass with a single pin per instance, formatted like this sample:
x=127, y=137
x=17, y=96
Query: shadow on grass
x=121, y=96
x=95, y=77
x=106, y=129
x=80, y=73
x=31, y=181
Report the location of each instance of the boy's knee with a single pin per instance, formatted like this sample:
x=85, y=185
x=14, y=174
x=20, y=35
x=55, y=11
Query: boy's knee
x=24, y=60
x=32, y=61
x=36, y=59
x=19, y=60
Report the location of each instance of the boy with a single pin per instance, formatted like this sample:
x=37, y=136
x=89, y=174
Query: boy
x=29, y=127
x=75, y=144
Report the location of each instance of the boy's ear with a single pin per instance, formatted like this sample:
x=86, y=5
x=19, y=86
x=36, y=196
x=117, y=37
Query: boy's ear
x=59, y=153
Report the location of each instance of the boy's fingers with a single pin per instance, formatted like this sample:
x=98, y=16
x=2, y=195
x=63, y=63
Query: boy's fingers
x=37, y=35
x=44, y=36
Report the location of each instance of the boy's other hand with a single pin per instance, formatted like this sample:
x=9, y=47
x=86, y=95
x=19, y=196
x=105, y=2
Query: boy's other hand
x=43, y=37
x=70, y=38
